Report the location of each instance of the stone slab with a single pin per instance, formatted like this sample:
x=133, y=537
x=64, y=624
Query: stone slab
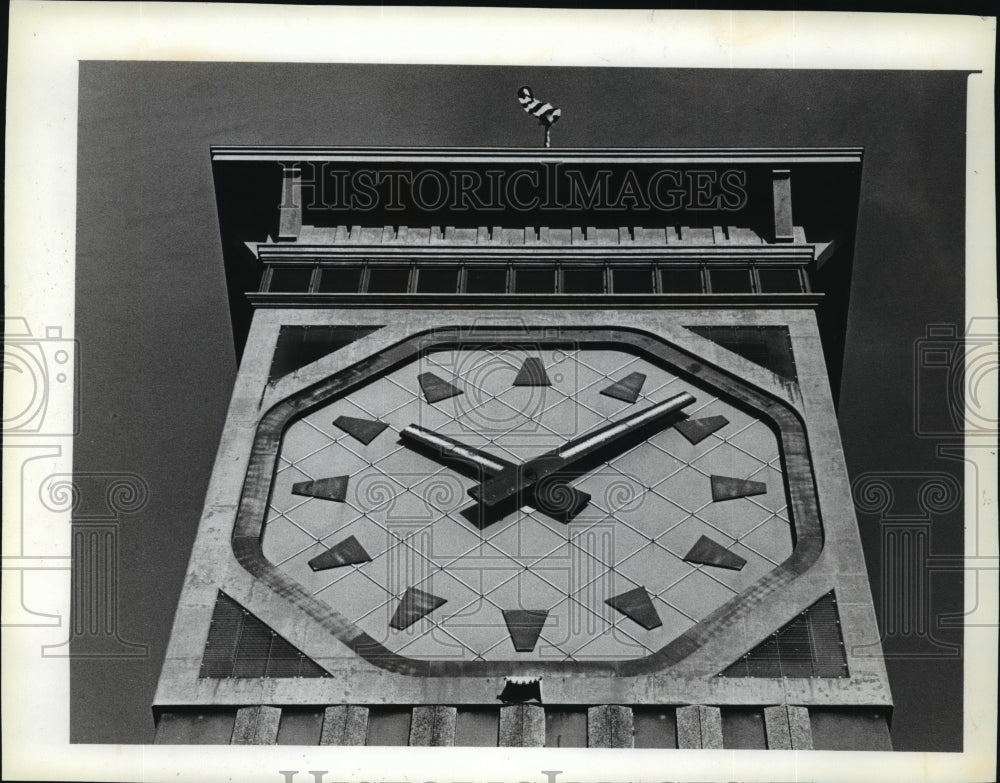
x=776, y=727
x=433, y=726
x=711, y=727
x=699, y=726
x=610, y=726
x=522, y=726
x=799, y=728
x=257, y=725
x=344, y=725
x=688, y=727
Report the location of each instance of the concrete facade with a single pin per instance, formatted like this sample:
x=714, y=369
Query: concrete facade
x=838, y=567
x=268, y=431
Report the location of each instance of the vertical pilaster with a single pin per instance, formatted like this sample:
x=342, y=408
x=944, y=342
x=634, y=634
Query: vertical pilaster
x=711, y=727
x=344, y=725
x=699, y=726
x=782, y=188
x=522, y=726
x=799, y=728
x=776, y=728
x=257, y=725
x=290, y=218
x=787, y=728
x=433, y=726
x=610, y=726
x=688, y=727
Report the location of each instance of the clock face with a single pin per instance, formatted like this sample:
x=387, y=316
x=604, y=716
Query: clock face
x=369, y=512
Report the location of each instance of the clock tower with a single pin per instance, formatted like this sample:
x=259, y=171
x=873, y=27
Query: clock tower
x=531, y=449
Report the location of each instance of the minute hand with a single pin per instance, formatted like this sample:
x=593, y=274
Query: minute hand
x=522, y=478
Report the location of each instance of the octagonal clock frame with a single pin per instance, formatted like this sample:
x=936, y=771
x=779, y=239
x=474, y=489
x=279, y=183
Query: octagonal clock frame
x=781, y=417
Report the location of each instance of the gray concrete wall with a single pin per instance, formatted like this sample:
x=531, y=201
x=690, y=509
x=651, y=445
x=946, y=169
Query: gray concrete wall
x=354, y=680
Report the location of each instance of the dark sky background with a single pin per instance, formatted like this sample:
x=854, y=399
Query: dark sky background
x=156, y=354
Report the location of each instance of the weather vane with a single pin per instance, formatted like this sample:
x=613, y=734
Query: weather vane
x=547, y=113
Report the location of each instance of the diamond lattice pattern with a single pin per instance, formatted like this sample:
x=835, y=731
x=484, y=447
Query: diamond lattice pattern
x=649, y=505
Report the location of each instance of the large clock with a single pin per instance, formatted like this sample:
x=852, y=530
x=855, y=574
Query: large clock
x=573, y=499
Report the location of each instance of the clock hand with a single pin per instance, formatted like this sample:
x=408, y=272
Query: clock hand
x=524, y=478
x=450, y=451
x=565, y=501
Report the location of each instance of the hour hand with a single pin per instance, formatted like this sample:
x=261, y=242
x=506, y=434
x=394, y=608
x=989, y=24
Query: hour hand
x=454, y=453
x=557, y=499
x=522, y=480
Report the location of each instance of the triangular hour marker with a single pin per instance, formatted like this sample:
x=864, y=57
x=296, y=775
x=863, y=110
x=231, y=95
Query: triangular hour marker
x=636, y=605
x=413, y=605
x=532, y=373
x=728, y=488
x=524, y=626
x=708, y=552
x=436, y=389
x=627, y=389
x=696, y=430
x=365, y=430
x=347, y=552
x=334, y=488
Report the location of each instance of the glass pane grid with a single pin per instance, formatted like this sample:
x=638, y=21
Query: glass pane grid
x=290, y=279
x=535, y=279
x=340, y=280
x=632, y=280
x=582, y=279
x=568, y=277
x=733, y=280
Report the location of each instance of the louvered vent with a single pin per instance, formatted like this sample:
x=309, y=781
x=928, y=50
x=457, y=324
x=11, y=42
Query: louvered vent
x=240, y=645
x=768, y=346
x=811, y=645
x=298, y=346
